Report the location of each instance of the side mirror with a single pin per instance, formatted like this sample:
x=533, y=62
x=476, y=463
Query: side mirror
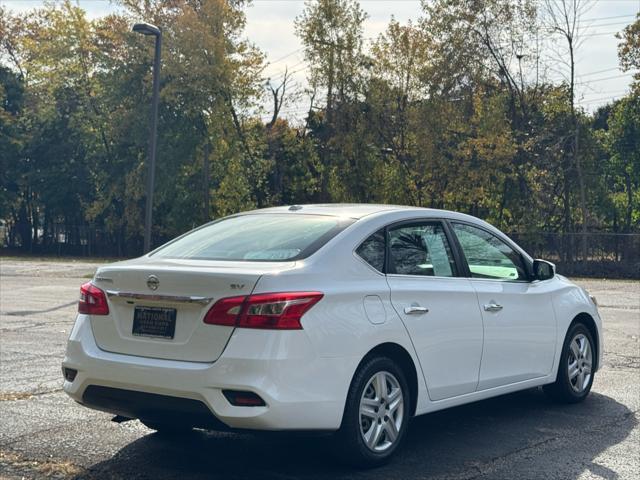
x=543, y=270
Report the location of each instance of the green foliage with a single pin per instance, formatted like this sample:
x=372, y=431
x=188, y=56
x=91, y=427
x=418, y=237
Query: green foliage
x=622, y=142
x=11, y=138
x=445, y=111
x=331, y=31
x=629, y=49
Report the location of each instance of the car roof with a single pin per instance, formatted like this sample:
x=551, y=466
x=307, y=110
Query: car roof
x=358, y=210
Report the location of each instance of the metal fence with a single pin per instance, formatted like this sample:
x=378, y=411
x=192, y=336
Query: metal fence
x=595, y=254
x=70, y=240
x=611, y=255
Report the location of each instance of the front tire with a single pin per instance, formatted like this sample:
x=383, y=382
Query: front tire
x=576, y=370
x=376, y=414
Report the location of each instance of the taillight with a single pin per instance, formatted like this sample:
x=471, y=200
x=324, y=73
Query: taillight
x=93, y=301
x=277, y=311
x=225, y=311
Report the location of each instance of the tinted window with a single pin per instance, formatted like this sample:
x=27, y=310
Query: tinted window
x=259, y=237
x=372, y=250
x=420, y=249
x=488, y=256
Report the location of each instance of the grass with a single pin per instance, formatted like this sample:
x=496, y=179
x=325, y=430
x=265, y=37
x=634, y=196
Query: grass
x=12, y=396
x=49, y=468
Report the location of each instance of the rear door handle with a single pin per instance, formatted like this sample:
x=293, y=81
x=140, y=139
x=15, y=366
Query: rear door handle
x=492, y=307
x=415, y=310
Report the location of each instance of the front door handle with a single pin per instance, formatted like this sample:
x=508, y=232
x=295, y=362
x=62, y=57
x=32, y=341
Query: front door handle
x=492, y=307
x=415, y=310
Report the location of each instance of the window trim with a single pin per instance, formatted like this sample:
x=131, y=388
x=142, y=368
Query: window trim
x=528, y=266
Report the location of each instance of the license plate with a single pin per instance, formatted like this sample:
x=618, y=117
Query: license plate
x=154, y=322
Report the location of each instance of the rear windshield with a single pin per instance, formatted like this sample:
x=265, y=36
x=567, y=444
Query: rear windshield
x=260, y=237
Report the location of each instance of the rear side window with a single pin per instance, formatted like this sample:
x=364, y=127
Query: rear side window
x=257, y=237
x=420, y=249
x=372, y=250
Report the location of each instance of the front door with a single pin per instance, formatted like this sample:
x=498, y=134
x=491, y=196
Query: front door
x=519, y=321
x=438, y=308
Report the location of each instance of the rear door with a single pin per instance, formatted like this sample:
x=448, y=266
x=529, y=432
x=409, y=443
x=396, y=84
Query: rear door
x=145, y=298
x=519, y=320
x=438, y=307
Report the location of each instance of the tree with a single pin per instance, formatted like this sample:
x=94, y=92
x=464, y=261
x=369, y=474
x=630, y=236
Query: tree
x=629, y=50
x=450, y=110
x=11, y=139
x=564, y=18
x=331, y=33
x=623, y=142
x=493, y=46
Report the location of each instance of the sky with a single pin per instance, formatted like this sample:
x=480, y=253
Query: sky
x=270, y=25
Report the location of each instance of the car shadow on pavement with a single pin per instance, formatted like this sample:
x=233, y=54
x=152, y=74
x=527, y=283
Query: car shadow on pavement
x=522, y=435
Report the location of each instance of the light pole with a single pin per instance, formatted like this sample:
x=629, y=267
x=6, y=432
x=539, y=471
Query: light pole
x=148, y=29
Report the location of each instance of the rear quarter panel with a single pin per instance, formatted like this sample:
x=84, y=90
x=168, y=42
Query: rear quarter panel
x=338, y=325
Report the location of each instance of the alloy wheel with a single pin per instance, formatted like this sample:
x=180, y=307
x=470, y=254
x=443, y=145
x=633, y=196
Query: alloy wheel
x=381, y=411
x=580, y=363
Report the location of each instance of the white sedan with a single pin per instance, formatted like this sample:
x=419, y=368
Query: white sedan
x=343, y=318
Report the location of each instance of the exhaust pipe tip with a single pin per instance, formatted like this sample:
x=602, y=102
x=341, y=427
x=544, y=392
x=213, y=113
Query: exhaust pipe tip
x=120, y=419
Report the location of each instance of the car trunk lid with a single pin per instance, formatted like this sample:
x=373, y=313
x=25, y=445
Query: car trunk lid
x=156, y=307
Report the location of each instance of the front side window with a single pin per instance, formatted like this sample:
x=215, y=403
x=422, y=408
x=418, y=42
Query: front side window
x=257, y=237
x=372, y=250
x=420, y=249
x=488, y=256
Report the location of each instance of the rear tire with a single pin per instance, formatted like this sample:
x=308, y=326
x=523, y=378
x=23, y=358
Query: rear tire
x=576, y=369
x=376, y=414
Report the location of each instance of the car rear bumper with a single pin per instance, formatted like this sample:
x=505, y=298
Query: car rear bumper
x=151, y=407
x=301, y=390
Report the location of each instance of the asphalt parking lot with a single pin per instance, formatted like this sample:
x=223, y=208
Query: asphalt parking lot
x=45, y=434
